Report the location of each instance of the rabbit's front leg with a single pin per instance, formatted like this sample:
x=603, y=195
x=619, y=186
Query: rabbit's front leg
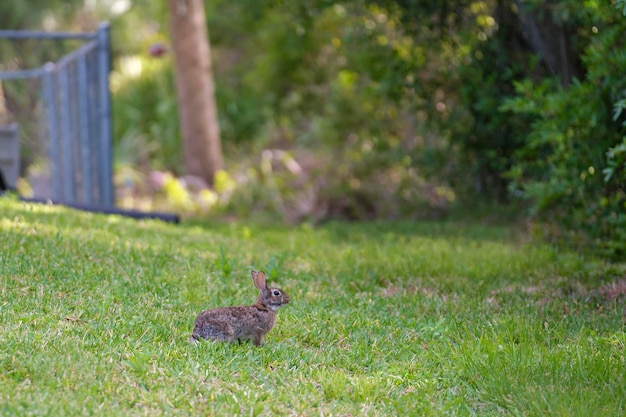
x=257, y=339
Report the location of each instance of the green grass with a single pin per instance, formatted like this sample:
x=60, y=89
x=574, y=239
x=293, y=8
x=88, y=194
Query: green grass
x=386, y=319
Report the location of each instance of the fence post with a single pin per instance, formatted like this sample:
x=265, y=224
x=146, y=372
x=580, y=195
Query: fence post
x=53, y=139
x=83, y=108
x=67, y=167
x=106, y=158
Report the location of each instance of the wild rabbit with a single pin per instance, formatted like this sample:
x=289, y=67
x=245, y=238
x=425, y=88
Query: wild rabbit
x=230, y=324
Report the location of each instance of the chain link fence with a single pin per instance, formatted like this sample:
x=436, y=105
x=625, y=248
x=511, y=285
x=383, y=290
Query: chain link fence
x=55, y=101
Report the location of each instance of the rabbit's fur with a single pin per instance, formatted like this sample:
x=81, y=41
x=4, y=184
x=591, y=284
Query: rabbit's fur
x=230, y=324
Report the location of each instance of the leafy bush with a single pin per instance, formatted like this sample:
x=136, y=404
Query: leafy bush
x=488, y=137
x=335, y=81
x=146, y=127
x=395, y=108
x=576, y=136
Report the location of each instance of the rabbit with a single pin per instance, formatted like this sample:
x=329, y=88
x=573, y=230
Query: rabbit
x=230, y=324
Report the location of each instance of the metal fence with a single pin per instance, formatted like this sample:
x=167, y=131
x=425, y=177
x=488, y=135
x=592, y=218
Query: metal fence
x=69, y=113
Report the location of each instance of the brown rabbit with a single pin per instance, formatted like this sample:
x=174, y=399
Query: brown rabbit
x=230, y=324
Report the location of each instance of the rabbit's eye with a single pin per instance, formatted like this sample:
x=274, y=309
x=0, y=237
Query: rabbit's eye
x=275, y=293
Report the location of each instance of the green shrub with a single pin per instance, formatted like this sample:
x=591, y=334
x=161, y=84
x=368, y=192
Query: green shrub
x=576, y=136
x=145, y=114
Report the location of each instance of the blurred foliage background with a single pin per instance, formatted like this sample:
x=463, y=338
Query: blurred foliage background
x=380, y=109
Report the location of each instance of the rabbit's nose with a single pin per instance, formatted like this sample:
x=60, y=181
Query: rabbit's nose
x=287, y=299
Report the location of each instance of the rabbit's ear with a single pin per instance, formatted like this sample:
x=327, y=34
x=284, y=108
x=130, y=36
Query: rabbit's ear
x=259, y=279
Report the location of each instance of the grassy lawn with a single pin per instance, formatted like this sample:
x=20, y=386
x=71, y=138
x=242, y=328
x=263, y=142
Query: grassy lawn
x=385, y=319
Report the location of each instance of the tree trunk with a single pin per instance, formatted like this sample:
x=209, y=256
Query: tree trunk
x=202, y=147
x=551, y=41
